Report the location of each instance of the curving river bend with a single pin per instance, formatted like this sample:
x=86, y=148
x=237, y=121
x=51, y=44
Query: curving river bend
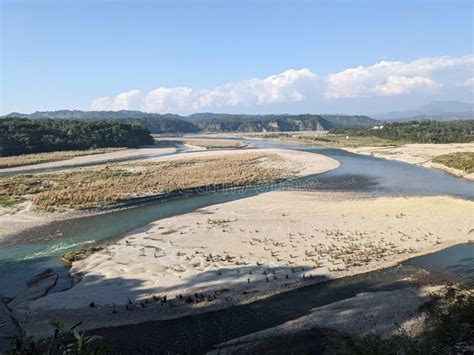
x=358, y=174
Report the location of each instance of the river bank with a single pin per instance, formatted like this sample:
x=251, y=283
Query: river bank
x=419, y=154
x=210, y=142
x=241, y=251
x=383, y=313
x=205, y=290
x=288, y=164
x=92, y=159
x=416, y=154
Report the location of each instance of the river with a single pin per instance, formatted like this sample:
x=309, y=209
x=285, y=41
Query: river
x=43, y=246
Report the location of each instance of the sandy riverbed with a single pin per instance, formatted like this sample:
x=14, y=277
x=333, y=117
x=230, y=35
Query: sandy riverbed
x=243, y=250
x=94, y=158
x=21, y=217
x=419, y=154
x=24, y=216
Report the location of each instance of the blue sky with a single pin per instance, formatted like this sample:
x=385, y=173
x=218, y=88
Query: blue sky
x=235, y=56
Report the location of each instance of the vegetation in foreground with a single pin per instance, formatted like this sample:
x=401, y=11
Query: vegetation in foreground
x=449, y=330
x=64, y=340
x=24, y=136
x=463, y=161
x=29, y=159
x=88, y=188
x=417, y=132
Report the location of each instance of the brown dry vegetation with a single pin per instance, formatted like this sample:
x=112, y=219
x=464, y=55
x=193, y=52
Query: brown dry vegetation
x=28, y=159
x=94, y=187
x=216, y=143
x=326, y=139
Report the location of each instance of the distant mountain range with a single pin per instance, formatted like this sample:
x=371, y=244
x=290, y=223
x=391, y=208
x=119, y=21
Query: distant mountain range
x=435, y=110
x=210, y=122
x=156, y=123
x=217, y=122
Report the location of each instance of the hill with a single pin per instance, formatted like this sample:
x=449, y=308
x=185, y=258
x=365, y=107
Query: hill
x=25, y=136
x=434, y=110
x=209, y=122
x=418, y=132
x=346, y=121
x=155, y=123
x=257, y=123
x=285, y=122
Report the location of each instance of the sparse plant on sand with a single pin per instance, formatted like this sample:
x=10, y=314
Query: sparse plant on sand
x=65, y=340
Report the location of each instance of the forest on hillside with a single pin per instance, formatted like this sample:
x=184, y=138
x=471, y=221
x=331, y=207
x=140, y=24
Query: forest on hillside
x=418, y=131
x=208, y=122
x=25, y=136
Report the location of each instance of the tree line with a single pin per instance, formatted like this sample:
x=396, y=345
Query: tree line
x=25, y=136
x=198, y=122
x=418, y=131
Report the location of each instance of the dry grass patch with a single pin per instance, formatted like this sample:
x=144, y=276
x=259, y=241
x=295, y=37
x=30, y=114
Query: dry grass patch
x=325, y=139
x=29, y=159
x=463, y=161
x=216, y=143
x=88, y=188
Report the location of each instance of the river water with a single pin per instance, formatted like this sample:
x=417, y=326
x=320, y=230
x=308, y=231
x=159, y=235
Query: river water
x=42, y=247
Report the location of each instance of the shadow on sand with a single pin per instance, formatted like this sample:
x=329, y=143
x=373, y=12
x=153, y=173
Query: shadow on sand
x=202, y=332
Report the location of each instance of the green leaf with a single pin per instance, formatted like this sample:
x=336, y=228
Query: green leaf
x=77, y=325
x=90, y=339
x=56, y=324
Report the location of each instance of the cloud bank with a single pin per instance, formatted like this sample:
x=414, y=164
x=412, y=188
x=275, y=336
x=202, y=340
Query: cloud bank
x=383, y=79
x=122, y=101
x=288, y=86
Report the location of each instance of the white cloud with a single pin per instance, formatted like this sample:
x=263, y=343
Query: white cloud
x=123, y=101
x=374, y=80
x=469, y=82
x=280, y=88
x=428, y=65
x=295, y=86
x=168, y=99
x=397, y=85
x=101, y=104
